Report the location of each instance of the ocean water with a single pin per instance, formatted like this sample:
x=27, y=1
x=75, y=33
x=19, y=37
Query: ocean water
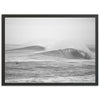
x=71, y=71
x=25, y=67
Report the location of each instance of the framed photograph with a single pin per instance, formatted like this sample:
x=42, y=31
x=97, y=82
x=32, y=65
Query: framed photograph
x=50, y=50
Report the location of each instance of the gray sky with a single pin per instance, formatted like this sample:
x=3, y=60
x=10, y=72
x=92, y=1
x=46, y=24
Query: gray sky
x=50, y=31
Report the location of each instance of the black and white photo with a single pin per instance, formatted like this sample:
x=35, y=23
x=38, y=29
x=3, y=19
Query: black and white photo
x=50, y=49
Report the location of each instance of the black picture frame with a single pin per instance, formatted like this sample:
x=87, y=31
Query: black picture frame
x=49, y=16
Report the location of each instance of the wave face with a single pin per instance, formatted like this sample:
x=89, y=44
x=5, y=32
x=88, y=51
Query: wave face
x=37, y=52
x=69, y=53
x=34, y=48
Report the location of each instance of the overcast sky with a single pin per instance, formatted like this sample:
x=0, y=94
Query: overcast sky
x=50, y=31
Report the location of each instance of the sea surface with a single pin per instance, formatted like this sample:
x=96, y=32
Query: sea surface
x=46, y=71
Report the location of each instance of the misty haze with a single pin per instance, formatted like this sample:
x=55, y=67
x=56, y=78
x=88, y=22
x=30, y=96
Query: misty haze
x=50, y=50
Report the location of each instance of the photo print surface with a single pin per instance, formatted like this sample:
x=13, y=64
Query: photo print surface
x=50, y=50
